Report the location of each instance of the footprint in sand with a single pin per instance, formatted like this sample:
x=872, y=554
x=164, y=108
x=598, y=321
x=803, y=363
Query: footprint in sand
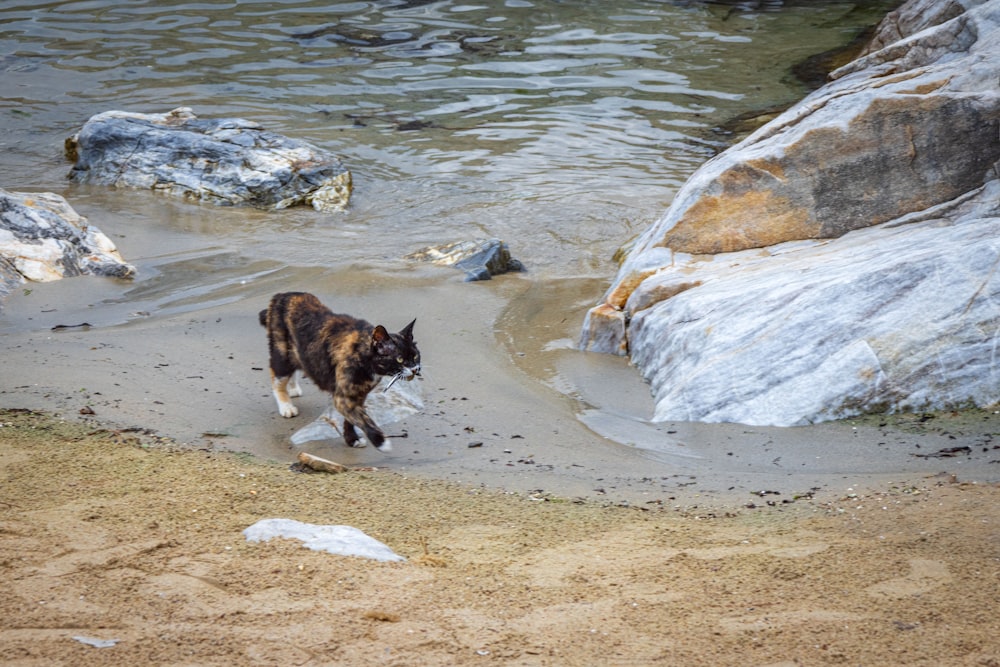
x=925, y=575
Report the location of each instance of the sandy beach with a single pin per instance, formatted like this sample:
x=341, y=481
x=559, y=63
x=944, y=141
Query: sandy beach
x=135, y=451
x=122, y=549
x=543, y=519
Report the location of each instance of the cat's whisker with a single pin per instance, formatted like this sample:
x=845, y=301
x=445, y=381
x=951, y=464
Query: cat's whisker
x=392, y=382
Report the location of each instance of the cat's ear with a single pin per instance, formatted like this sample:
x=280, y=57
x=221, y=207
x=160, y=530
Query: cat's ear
x=407, y=331
x=380, y=335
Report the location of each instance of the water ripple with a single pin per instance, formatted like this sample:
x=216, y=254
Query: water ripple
x=454, y=117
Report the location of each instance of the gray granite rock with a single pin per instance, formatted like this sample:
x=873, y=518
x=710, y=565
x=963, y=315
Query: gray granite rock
x=813, y=330
x=220, y=161
x=42, y=238
x=480, y=260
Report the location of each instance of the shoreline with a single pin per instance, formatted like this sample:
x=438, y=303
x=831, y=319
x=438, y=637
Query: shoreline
x=503, y=412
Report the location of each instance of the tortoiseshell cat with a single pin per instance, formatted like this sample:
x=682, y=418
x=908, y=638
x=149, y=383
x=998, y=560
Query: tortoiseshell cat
x=343, y=355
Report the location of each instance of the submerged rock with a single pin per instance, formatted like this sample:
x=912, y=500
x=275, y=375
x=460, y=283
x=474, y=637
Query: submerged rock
x=220, y=161
x=42, y=239
x=481, y=260
x=841, y=259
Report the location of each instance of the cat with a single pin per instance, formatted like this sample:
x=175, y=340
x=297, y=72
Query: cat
x=343, y=355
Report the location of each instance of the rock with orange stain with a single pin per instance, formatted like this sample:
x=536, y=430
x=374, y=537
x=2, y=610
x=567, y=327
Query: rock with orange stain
x=604, y=330
x=716, y=301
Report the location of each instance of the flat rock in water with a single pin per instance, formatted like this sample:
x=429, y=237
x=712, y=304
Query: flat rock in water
x=42, y=239
x=481, y=260
x=228, y=161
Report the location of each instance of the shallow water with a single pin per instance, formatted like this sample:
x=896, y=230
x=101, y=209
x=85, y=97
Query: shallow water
x=563, y=128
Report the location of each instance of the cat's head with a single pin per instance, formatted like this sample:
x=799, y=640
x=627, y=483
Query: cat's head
x=396, y=354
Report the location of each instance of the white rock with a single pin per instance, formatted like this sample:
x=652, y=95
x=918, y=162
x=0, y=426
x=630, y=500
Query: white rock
x=841, y=259
x=43, y=239
x=339, y=540
x=228, y=161
x=807, y=332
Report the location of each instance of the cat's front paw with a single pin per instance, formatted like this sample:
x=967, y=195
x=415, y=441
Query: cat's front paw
x=287, y=410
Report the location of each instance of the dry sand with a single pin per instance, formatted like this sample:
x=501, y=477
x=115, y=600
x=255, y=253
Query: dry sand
x=123, y=538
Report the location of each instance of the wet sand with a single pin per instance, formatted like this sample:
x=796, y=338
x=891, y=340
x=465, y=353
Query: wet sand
x=508, y=403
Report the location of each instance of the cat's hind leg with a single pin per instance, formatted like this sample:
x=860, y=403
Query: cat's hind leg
x=284, y=383
x=279, y=385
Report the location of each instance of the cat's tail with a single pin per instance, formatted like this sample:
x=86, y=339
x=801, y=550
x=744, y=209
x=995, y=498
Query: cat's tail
x=263, y=317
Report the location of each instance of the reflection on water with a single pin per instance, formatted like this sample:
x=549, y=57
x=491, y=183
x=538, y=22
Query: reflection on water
x=563, y=128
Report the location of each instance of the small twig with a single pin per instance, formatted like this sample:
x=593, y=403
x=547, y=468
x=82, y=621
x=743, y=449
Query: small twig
x=317, y=463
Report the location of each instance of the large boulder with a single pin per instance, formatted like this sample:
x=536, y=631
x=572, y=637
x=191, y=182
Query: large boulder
x=902, y=316
x=841, y=258
x=42, y=239
x=220, y=161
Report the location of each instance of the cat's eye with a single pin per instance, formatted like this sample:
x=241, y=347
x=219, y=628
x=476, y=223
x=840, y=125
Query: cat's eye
x=399, y=360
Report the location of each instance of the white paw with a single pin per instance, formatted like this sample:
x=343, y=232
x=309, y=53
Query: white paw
x=386, y=446
x=294, y=389
x=287, y=410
